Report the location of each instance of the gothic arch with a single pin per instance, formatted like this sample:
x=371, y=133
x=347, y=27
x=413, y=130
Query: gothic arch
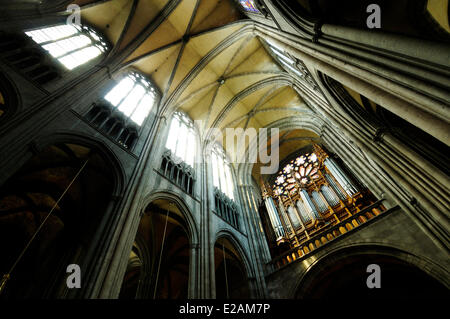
x=307, y=279
x=224, y=233
x=280, y=79
x=236, y=280
x=88, y=141
x=122, y=73
x=72, y=178
x=248, y=28
x=304, y=121
x=207, y=149
x=168, y=119
x=198, y=158
x=181, y=205
x=167, y=260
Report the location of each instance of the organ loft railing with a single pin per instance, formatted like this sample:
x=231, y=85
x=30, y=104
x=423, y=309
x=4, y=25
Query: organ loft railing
x=311, y=195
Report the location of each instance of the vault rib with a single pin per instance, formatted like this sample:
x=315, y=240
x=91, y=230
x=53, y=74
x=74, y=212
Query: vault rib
x=125, y=28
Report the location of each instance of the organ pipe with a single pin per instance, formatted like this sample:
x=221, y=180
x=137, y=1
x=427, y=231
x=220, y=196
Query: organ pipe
x=274, y=218
x=340, y=176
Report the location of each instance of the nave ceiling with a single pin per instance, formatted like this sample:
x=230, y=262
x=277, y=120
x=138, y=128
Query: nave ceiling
x=205, y=60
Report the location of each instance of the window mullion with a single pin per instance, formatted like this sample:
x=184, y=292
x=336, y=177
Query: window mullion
x=187, y=141
x=125, y=96
x=223, y=185
x=175, y=151
x=219, y=174
x=138, y=103
x=229, y=181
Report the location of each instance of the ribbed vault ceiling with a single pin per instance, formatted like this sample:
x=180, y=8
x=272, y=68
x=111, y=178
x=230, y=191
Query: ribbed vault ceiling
x=204, y=58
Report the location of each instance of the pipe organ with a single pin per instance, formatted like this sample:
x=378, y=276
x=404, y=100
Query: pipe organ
x=313, y=193
x=274, y=218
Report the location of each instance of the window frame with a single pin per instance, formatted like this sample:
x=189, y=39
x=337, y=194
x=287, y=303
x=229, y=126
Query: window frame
x=190, y=138
x=222, y=172
x=143, y=81
x=98, y=41
x=283, y=184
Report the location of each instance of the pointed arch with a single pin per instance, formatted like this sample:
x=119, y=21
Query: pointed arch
x=233, y=274
x=181, y=205
x=337, y=256
x=89, y=141
x=69, y=186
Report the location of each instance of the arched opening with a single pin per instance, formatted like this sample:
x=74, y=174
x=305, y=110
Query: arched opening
x=83, y=181
x=347, y=277
x=312, y=191
x=158, y=265
x=231, y=277
x=133, y=275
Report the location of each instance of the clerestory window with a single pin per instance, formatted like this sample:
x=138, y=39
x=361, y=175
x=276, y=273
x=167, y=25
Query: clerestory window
x=181, y=140
x=133, y=96
x=71, y=45
x=222, y=177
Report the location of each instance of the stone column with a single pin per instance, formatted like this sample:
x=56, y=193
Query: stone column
x=427, y=114
x=407, y=193
x=402, y=45
x=193, y=271
x=207, y=280
x=258, y=247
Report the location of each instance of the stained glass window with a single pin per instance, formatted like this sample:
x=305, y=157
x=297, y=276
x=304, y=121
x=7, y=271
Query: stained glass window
x=248, y=5
x=72, y=45
x=134, y=96
x=299, y=172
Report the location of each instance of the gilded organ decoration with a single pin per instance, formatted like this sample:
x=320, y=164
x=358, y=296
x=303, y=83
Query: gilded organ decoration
x=310, y=194
x=300, y=171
